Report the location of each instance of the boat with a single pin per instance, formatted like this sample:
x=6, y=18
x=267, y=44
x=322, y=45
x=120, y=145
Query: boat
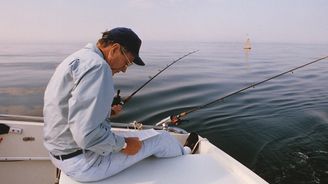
x=248, y=45
x=23, y=159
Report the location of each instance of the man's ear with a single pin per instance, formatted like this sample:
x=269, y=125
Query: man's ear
x=114, y=49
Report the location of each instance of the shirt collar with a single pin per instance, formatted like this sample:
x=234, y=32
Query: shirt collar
x=94, y=48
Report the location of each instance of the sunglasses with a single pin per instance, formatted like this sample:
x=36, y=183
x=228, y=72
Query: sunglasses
x=129, y=63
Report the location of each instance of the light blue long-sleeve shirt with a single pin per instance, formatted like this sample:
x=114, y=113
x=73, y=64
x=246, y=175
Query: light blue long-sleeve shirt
x=77, y=104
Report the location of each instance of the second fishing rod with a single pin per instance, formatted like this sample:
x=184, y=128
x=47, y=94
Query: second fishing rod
x=175, y=119
x=119, y=100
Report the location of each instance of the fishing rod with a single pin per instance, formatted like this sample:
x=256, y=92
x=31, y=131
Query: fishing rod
x=5, y=128
x=119, y=100
x=175, y=119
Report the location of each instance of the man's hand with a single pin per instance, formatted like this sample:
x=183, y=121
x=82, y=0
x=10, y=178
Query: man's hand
x=116, y=109
x=133, y=145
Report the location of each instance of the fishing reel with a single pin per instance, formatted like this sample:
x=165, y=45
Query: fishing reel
x=171, y=120
x=117, y=99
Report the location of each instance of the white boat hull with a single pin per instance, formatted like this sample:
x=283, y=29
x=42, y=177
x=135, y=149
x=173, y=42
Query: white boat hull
x=25, y=161
x=209, y=165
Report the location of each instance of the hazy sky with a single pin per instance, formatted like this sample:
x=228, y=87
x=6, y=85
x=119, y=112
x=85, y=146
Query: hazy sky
x=304, y=21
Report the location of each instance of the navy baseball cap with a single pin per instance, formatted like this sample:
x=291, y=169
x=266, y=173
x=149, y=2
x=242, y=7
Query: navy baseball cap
x=128, y=39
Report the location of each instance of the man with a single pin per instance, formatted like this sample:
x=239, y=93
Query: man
x=77, y=103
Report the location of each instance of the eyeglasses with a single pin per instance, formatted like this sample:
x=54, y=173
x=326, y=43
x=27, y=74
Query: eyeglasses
x=129, y=63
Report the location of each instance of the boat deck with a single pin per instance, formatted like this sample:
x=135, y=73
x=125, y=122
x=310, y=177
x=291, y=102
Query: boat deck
x=185, y=169
x=210, y=165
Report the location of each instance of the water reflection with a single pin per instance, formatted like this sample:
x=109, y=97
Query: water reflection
x=19, y=91
x=22, y=110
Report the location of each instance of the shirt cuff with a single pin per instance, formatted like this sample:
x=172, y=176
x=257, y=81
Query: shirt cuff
x=125, y=145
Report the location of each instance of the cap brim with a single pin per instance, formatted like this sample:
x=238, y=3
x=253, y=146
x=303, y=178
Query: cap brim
x=138, y=61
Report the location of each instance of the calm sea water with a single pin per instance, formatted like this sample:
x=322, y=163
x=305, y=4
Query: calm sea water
x=278, y=129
